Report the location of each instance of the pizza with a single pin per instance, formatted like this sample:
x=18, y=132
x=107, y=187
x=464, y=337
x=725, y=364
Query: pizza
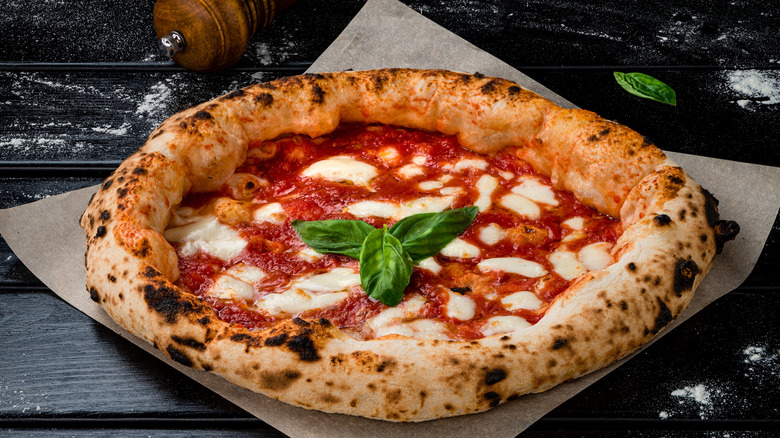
x=397, y=244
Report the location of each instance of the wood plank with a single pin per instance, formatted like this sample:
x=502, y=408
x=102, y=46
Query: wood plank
x=64, y=117
x=530, y=33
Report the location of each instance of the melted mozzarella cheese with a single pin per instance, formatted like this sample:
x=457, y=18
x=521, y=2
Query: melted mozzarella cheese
x=595, y=256
x=521, y=205
x=249, y=274
x=336, y=280
x=491, y=234
x=227, y=287
x=461, y=249
x=506, y=175
x=419, y=159
x=392, y=210
x=389, y=155
x=342, y=169
x=294, y=301
x=522, y=300
x=207, y=234
x=310, y=255
x=470, y=163
x=504, y=324
x=410, y=171
x=273, y=213
x=382, y=323
x=430, y=185
x=513, y=265
x=429, y=264
x=486, y=185
x=451, y=190
x=384, y=210
x=536, y=191
x=575, y=223
x=311, y=292
x=460, y=306
x=566, y=265
x=426, y=204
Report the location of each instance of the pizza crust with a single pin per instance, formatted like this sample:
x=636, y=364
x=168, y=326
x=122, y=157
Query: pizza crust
x=669, y=243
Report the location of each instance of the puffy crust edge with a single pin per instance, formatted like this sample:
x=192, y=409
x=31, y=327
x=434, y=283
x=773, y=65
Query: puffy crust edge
x=671, y=237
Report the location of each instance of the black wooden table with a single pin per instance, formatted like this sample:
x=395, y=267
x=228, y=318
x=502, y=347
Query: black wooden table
x=82, y=84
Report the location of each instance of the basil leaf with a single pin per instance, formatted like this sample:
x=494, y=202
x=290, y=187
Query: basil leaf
x=385, y=268
x=335, y=236
x=647, y=87
x=425, y=234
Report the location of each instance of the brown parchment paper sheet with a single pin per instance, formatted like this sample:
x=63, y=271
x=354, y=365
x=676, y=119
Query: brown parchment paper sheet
x=46, y=237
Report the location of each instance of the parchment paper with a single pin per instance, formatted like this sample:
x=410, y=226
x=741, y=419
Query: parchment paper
x=46, y=237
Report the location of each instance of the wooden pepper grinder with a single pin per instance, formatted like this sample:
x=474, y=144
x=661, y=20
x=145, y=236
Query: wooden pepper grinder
x=211, y=35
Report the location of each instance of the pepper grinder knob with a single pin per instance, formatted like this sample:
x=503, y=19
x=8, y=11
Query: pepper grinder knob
x=211, y=35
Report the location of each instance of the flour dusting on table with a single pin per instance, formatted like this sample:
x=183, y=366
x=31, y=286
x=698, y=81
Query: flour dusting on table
x=755, y=87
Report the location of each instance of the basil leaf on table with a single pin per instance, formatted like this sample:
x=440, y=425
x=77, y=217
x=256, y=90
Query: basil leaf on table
x=335, y=236
x=647, y=87
x=385, y=267
x=425, y=234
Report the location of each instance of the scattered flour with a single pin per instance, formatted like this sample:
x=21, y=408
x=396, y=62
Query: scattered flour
x=755, y=87
x=154, y=103
x=700, y=396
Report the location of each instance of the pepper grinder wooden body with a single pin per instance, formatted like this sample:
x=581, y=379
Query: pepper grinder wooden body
x=211, y=35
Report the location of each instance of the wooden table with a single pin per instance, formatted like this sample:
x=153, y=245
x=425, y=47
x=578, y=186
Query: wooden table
x=82, y=85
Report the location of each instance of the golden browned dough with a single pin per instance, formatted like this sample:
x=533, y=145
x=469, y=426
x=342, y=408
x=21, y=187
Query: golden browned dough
x=668, y=245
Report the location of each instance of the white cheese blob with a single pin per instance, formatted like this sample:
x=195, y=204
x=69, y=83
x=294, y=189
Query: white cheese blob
x=311, y=292
x=522, y=300
x=294, y=301
x=430, y=265
x=491, y=234
x=227, y=287
x=574, y=235
x=470, y=163
x=273, y=213
x=461, y=249
x=246, y=273
x=426, y=204
x=575, y=223
x=419, y=159
x=521, y=205
x=486, y=185
x=566, y=265
x=535, y=191
x=513, y=265
x=451, y=190
x=506, y=175
x=336, y=280
x=595, y=256
x=430, y=185
x=460, y=307
x=410, y=171
x=384, y=210
x=207, y=234
x=342, y=169
x=382, y=323
x=389, y=155
x=504, y=324
x=310, y=255
x=392, y=210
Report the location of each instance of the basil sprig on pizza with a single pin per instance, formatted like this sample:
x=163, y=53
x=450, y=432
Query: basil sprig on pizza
x=386, y=256
x=588, y=241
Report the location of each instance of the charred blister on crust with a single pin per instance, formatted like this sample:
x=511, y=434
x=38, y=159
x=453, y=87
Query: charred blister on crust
x=93, y=295
x=278, y=381
x=662, y=220
x=233, y=95
x=494, y=376
x=264, y=99
x=663, y=318
x=169, y=303
x=189, y=342
x=685, y=272
x=724, y=232
x=560, y=343
x=304, y=347
x=202, y=115
x=179, y=356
